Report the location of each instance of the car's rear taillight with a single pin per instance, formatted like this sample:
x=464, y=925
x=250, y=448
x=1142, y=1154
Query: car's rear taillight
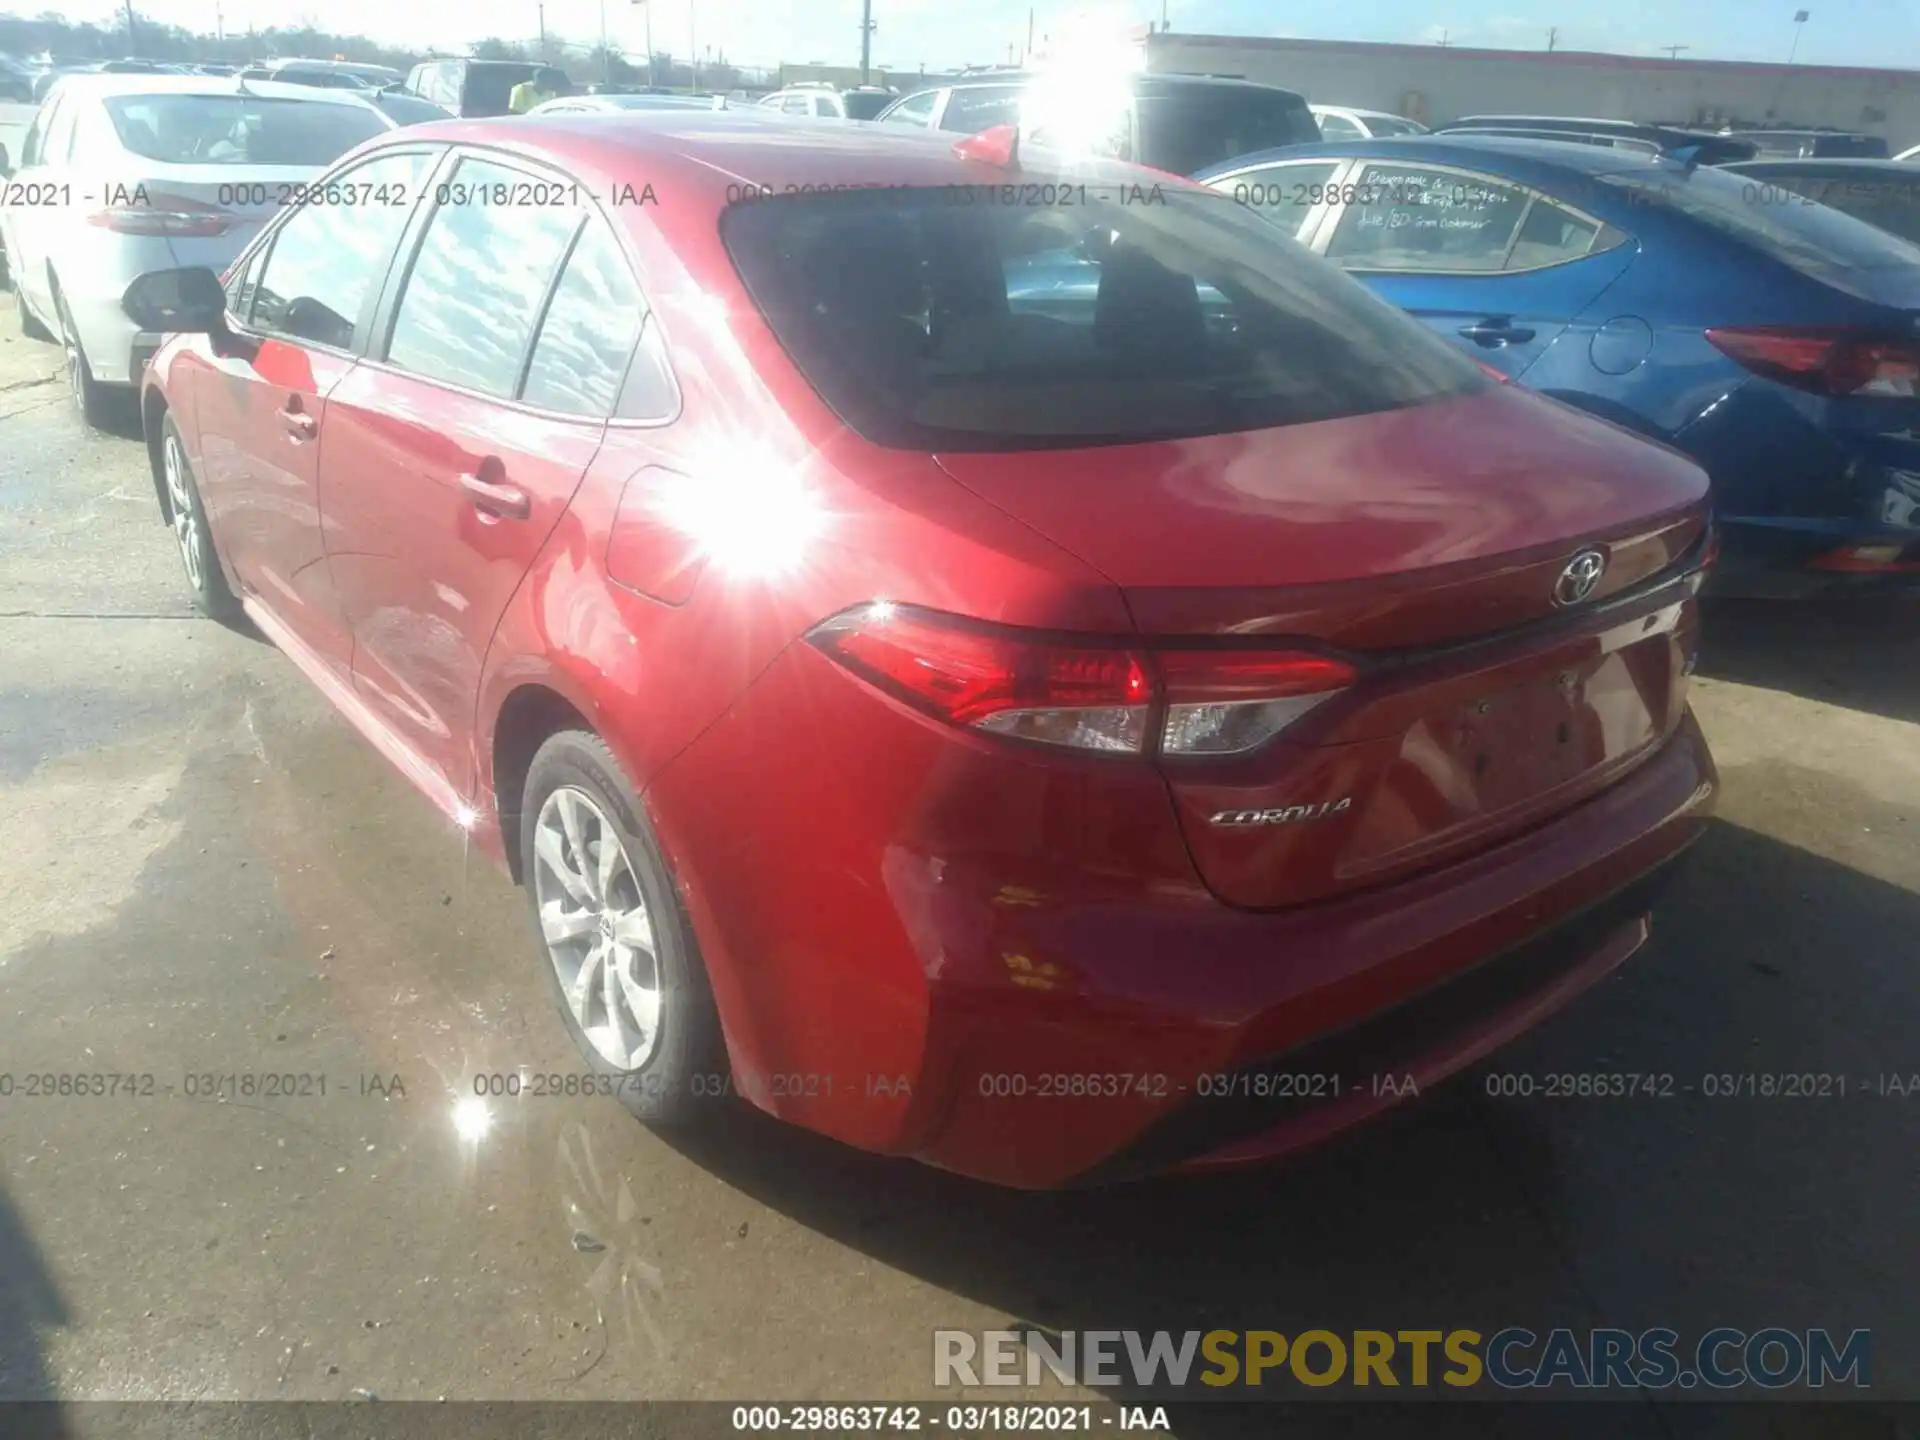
x=1220, y=702
x=158, y=213
x=1089, y=699
x=1092, y=697
x=1826, y=362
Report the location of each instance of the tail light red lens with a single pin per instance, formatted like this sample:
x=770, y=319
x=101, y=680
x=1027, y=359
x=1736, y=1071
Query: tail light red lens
x=1826, y=362
x=164, y=214
x=1085, y=698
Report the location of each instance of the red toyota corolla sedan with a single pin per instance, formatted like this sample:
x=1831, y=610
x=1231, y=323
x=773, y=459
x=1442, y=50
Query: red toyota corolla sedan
x=994, y=658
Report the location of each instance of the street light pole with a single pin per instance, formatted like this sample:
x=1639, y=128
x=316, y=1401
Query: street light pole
x=606, y=55
x=1800, y=18
x=133, y=44
x=866, y=39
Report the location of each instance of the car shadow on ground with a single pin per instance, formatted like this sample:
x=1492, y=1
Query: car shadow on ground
x=30, y=1303
x=1464, y=1210
x=1862, y=653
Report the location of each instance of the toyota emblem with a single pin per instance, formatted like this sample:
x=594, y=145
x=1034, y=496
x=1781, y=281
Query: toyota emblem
x=1578, y=580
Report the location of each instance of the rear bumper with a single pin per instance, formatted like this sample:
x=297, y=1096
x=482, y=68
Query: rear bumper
x=1392, y=983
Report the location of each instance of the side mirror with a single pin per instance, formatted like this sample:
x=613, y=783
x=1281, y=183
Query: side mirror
x=187, y=302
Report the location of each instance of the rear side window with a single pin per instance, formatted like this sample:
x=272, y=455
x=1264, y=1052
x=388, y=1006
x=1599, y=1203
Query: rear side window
x=488, y=88
x=1338, y=127
x=239, y=129
x=589, y=329
x=479, y=278
x=1190, y=127
x=327, y=260
x=865, y=105
x=927, y=325
x=1814, y=239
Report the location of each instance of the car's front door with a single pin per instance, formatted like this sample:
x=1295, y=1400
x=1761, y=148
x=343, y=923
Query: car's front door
x=1498, y=269
x=455, y=447
x=299, y=307
x=1292, y=194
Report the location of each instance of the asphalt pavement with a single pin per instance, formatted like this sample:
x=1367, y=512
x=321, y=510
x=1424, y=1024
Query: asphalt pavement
x=205, y=873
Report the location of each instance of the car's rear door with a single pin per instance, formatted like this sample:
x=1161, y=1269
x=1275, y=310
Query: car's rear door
x=299, y=307
x=1495, y=267
x=457, y=444
x=39, y=200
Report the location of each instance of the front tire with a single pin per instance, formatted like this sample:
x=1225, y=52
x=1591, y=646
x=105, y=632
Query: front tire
x=187, y=518
x=621, y=958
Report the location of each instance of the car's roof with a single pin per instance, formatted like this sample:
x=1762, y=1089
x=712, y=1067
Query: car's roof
x=1362, y=111
x=709, y=151
x=1139, y=80
x=103, y=85
x=1472, y=151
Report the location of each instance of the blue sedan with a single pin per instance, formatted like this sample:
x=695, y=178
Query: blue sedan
x=1774, y=341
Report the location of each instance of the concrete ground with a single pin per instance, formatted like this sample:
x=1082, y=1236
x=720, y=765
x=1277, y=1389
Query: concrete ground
x=205, y=872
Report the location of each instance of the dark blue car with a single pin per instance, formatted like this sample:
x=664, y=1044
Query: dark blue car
x=1776, y=342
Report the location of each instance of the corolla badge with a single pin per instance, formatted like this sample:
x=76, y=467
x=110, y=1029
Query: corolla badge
x=1290, y=815
x=1578, y=580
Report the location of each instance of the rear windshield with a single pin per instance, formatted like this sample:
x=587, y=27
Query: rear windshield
x=863, y=106
x=1883, y=198
x=1101, y=318
x=1382, y=126
x=238, y=129
x=1814, y=239
x=1193, y=126
x=488, y=88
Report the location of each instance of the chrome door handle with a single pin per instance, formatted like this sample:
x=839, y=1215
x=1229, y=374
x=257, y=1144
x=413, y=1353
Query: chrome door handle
x=504, y=501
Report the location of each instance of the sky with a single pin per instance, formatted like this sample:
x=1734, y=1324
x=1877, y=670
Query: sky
x=941, y=34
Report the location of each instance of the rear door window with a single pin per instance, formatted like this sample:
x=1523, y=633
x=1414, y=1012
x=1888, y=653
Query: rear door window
x=928, y=325
x=974, y=108
x=1407, y=217
x=480, y=276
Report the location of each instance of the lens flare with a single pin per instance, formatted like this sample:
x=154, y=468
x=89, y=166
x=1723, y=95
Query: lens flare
x=752, y=516
x=471, y=1119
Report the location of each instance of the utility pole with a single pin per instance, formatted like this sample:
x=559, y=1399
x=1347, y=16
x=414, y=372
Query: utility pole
x=543, y=30
x=693, y=46
x=133, y=43
x=1027, y=58
x=219, y=25
x=606, y=55
x=1444, y=39
x=647, y=11
x=1673, y=51
x=866, y=39
x=1553, y=38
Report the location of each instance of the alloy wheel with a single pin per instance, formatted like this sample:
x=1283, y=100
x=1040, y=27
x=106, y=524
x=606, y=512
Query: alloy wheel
x=173, y=466
x=598, y=933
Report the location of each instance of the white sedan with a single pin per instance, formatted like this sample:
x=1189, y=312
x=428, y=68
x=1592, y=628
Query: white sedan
x=120, y=175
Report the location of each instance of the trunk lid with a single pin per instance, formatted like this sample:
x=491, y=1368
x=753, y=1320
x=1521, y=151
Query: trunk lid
x=1425, y=545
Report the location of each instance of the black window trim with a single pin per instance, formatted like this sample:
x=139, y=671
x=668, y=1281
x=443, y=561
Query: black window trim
x=1330, y=222
x=372, y=347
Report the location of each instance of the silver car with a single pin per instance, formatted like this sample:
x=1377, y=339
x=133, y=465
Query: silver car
x=120, y=175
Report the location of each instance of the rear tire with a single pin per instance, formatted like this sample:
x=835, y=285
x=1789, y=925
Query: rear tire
x=101, y=406
x=29, y=327
x=616, y=945
x=188, y=520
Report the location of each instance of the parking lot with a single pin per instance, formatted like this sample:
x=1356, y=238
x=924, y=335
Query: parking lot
x=209, y=874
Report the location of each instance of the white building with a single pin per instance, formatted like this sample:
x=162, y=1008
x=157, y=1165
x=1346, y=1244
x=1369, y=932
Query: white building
x=1433, y=83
